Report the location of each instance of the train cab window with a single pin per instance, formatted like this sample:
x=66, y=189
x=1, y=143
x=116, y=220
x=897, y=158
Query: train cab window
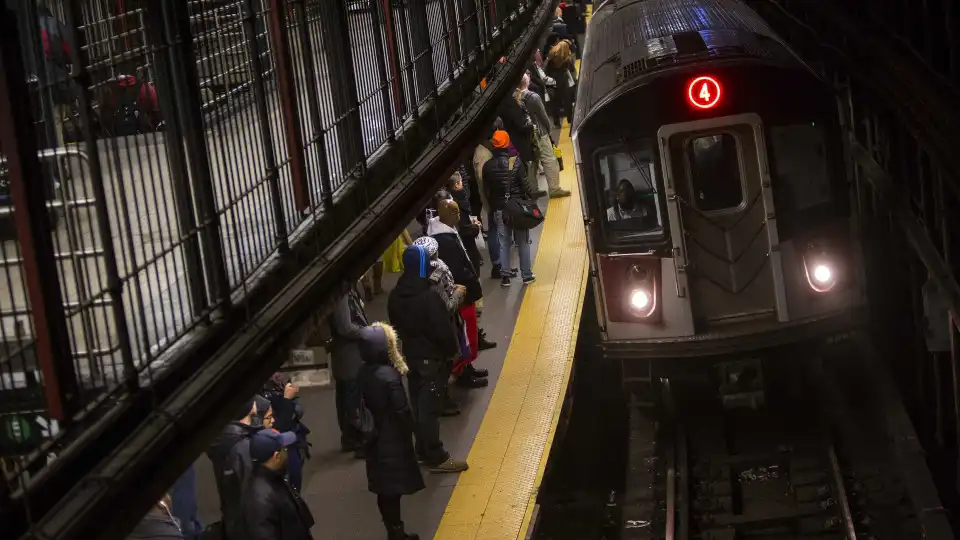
x=800, y=166
x=631, y=202
x=714, y=162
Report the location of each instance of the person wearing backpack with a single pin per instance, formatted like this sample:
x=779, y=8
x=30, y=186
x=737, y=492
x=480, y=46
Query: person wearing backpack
x=543, y=142
x=504, y=178
x=392, y=469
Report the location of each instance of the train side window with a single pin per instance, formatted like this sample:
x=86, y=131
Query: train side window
x=714, y=162
x=629, y=184
x=800, y=164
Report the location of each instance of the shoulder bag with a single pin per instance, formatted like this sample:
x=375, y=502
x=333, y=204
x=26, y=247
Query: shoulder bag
x=522, y=213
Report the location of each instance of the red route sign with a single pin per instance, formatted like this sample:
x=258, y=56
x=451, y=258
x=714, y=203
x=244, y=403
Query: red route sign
x=704, y=92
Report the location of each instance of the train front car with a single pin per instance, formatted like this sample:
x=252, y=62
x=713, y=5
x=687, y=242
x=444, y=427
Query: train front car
x=714, y=184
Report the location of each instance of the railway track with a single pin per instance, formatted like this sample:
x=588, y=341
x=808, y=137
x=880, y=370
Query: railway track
x=699, y=471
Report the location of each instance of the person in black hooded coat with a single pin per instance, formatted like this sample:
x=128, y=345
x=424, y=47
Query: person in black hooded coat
x=392, y=469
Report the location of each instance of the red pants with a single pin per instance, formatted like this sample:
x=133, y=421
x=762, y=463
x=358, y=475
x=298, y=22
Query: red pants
x=469, y=315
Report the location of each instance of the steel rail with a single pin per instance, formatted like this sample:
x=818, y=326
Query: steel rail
x=840, y=491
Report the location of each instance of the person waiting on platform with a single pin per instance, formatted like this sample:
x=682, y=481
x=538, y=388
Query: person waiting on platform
x=158, y=524
x=271, y=508
x=452, y=252
x=287, y=416
x=237, y=469
x=503, y=177
x=453, y=296
x=346, y=322
x=543, y=142
x=392, y=469
x=419, y=313
x=238, y=430
x=468, y=228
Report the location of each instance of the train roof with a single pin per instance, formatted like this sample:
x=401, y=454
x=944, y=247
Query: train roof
x=632, y=39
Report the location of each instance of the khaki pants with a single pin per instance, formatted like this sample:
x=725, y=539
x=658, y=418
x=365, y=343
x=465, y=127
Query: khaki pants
x=548, y=162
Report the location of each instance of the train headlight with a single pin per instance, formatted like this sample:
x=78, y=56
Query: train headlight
x=640, y=300
x=641, y=292
x=821, y=273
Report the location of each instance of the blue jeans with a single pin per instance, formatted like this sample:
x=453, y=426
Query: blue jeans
x=295, y=467
x=507, y=236
x=183, y=494
x=493, y=238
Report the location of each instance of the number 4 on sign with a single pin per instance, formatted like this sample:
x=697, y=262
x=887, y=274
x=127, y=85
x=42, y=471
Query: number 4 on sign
x=705, y=92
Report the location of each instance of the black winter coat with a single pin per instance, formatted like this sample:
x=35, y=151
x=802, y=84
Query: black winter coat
x=392, y=467
x=419, y=315
x=236, y=472
x=218, y=454
x=500, y=182
x=155, y=526
x=273, y=510
x=517, y=124
x=454, y=254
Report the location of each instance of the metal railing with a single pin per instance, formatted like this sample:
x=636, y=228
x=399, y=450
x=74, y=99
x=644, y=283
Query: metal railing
x=123, y=254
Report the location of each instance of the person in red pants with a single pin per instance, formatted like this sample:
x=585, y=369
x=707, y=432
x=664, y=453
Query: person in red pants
x=452, y=252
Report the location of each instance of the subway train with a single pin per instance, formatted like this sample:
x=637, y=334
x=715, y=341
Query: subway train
x=714, y=185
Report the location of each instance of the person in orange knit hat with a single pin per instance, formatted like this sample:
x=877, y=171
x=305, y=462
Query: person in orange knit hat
x=504, y=176
x=500, y=139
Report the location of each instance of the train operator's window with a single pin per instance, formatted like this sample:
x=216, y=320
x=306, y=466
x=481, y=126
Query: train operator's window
x=629, y=183
x=715, y=172
x=802, y=178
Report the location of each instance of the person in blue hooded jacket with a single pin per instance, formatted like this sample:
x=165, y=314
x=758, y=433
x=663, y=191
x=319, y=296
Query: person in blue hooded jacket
x=419, y=314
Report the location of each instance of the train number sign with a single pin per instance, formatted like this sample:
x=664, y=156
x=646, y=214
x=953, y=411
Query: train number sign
x=704, y=92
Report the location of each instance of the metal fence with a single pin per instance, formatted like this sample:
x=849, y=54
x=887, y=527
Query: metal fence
x=242, y=122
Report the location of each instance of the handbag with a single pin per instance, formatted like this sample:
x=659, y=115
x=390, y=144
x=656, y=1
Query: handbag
x=559, y=155
x=364, y=422
x=522, y=214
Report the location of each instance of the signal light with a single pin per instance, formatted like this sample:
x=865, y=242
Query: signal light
x=704, y=92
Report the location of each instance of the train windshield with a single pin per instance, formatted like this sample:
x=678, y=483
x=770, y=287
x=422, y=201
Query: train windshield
x=631, y=197
x=801, y=167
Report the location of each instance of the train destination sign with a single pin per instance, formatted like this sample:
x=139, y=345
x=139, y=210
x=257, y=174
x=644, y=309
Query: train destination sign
x=704, y=92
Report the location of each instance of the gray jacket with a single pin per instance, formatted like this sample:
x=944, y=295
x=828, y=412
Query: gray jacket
x=537, y=111
x=345, y=351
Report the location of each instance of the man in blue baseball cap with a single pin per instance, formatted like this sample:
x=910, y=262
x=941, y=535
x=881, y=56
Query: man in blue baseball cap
x=272, y=508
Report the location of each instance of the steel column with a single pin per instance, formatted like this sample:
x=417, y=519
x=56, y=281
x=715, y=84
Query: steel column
x=471, y=35
x=177, y=25
x=452, y=37
x=378, y=46
x=176, y=160
x=420, y=51
x=343, y=86
x=17, y=136
x=80, y=58
x=263, y=121
x=393, y=54
x=287, y=94
x=313, y=103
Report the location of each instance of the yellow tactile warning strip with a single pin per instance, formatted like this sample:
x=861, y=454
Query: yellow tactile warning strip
x=494, y=499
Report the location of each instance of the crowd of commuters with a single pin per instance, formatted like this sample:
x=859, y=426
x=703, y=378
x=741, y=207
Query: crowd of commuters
x=257, y=462
x=434, y=313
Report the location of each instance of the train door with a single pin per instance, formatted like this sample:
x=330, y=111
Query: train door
x=724, y=228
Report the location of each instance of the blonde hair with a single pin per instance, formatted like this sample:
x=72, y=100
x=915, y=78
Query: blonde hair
x=560, y=54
